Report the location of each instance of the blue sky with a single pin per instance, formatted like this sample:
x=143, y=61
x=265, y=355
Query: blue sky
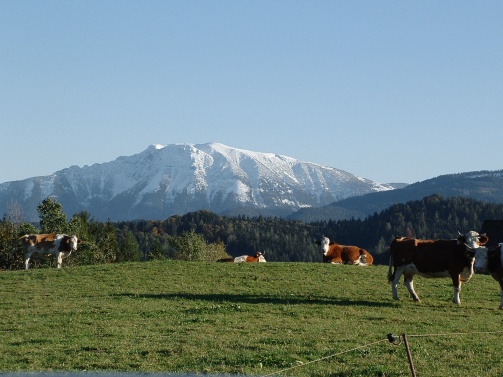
x=393, y=91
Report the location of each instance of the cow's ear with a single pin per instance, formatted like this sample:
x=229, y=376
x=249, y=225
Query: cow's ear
x=483, y=239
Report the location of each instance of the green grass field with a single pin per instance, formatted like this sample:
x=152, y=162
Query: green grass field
x=254, y=319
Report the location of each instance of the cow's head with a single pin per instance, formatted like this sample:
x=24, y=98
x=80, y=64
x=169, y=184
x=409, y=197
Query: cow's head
x=474, y=243
x=472, y=239
x=324, y=245
x=481, y=265
x=485, y=256
x=260, y=256
x=73, y=241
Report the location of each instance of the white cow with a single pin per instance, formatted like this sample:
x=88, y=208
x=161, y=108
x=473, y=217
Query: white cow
x=259, y=257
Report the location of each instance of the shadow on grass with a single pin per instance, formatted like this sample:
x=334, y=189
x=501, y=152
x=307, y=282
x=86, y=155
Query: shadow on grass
x=258, y=299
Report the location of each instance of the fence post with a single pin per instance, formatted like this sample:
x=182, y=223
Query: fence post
x=396, y=342
x=409, y=355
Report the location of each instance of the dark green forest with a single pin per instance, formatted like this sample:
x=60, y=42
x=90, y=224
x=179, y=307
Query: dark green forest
x=204, y=235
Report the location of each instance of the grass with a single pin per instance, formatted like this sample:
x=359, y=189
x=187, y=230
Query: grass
x=255, y=319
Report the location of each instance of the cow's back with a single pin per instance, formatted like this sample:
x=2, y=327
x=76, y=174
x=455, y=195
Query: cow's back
x=37, y=239
x=350, y=254
x=404, y=250
x=439, y=256
x=426, y=255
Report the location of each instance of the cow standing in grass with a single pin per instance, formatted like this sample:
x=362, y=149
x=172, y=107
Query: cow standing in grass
x=59, y=245
x=433, y=259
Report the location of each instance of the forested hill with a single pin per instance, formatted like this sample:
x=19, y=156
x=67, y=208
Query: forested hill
x=204, y=235
x=286, y=240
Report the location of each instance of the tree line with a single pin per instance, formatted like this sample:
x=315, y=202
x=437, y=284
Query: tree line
x=101, y=242
x=206, y=236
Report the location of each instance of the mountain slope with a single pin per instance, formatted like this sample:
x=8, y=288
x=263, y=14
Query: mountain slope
x=482, y=185
x=179, y=178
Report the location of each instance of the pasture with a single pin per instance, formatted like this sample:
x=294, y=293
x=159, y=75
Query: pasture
x=254, y=319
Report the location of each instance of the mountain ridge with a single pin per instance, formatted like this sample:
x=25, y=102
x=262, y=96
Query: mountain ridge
x=482, y=185
x=164, y=180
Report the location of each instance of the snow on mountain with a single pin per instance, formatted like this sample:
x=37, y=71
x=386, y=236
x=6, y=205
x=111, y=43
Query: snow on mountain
x=179, y=178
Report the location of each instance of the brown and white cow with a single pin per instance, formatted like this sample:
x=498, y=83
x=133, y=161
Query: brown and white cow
x=341, y=254
x=490, y=261
x=259, y=257
x=433, y=259
x=59, y=245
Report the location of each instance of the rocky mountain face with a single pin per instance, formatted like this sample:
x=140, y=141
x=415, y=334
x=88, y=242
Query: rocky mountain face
x=176, y=179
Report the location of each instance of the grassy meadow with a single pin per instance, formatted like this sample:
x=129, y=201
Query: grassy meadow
x=254, y=319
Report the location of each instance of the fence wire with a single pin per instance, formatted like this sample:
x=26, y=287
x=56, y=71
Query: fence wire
x=390, y=338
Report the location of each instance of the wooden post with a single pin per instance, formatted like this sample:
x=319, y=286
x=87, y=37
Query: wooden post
x=409, y=355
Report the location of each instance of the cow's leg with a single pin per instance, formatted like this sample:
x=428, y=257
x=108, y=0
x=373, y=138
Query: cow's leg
x=456, y=283
x=456, y=298
x=27, y=257
x=409, y=283
x=60, y=259
x=394, y=290
x=394, y=282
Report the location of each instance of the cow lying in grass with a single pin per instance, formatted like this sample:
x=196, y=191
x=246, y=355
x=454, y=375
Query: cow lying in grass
x=259, y=257
x=342, y=254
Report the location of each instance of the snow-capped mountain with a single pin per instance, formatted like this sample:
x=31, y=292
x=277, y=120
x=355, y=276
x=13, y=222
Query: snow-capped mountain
x=179, y=178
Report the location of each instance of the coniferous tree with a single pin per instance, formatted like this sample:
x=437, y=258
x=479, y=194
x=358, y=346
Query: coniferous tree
x=107, y=242
x=156, y=251
x=129, y=250
x=52, y=217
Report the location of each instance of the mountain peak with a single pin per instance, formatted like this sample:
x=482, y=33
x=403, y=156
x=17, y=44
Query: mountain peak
x=181, y=178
